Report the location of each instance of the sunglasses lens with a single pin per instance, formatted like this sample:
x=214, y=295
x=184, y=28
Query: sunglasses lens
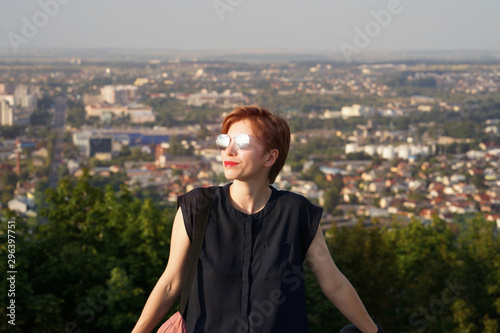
x=242, y=141
x=222, y=141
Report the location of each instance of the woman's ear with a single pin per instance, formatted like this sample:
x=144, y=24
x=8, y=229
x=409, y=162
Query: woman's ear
x=271, y=158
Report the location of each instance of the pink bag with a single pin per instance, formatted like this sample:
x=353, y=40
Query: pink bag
x=174, y=324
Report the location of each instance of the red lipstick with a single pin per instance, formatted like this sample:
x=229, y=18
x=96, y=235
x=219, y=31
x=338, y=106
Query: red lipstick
x=229, y=164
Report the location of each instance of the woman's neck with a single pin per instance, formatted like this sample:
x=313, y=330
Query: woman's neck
x=249, y=198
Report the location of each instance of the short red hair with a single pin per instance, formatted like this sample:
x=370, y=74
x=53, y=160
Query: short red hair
x=271, y=129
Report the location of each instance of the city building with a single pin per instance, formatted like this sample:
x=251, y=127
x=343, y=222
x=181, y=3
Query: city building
x=357, y=110
x=138, y=113
x=6, y=112
x=120, y=94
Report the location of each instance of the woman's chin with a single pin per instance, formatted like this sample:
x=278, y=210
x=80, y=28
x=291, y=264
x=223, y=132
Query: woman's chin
x=229, y=175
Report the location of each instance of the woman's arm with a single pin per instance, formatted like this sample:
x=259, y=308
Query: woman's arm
x=335, y=286
x=169, y=285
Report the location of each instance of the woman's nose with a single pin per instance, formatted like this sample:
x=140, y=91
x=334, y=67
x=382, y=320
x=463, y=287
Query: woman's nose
x=231, y=150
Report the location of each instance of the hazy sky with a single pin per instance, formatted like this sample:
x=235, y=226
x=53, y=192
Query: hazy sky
x=313, y=25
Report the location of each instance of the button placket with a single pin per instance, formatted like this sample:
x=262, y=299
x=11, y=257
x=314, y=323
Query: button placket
x=247, y=253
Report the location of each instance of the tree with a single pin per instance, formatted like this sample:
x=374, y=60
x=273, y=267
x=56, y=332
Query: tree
x=100, y=251
x=203, y=132
x=40, y=118
x=414, y=277
x=76, y=114
x=91, y=266
x=11, y=132
x=9, y=181
x=40, y=188
x=62, y=171
x=36, y=310
x=331, y=199
x=479, y=252
x=478, y=181
x=177, y=148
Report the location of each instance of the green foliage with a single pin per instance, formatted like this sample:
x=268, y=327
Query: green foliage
x=126, y=154
x=40, y=118
x=312, y=102
x=460, y=129
x=203, y=132
x=319, y=308
x=8, y=185
x=359, y=156
x=45, y=103
x=331, y=187
x=478, y=181
x=178, y=149
x=115, y=180
x=408, y=87
x=329, y=148
x=75, y=114
x=40, y=188
x=92, y=264
x=417, y=196
x=167, y=109
x=11, y=132
x=414, y=277
x=332, y=194
x=96, y=257
x=402, y=123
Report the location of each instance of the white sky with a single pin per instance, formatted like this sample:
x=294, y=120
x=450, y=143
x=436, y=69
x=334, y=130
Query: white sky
x=313, y=25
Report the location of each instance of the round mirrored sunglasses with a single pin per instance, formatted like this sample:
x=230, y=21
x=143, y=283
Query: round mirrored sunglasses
x=241, y=141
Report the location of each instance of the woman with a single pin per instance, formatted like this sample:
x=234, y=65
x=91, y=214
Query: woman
x=249, y=276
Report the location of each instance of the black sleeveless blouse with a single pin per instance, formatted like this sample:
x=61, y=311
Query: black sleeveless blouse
x=249, y=277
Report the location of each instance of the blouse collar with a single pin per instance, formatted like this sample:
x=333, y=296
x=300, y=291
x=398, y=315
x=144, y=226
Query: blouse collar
x=260, y=214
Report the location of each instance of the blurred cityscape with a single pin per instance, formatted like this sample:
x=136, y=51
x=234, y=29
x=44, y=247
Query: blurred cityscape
x=377, y=141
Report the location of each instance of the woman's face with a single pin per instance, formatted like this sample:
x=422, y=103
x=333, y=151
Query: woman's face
x=250, y=163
